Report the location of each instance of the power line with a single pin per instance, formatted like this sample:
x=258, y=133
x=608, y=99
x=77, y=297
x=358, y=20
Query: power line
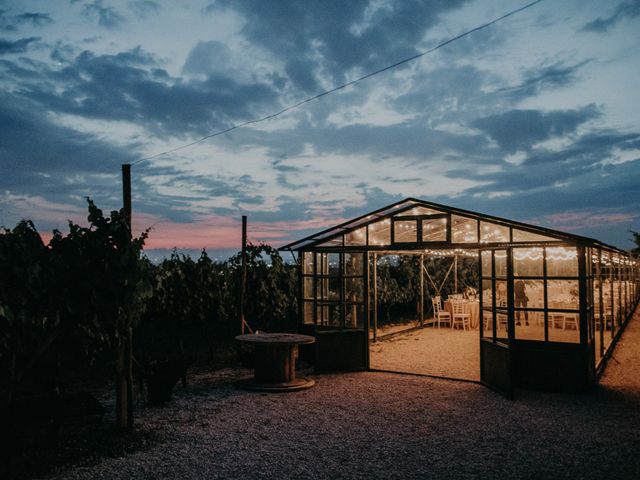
x=344, y=85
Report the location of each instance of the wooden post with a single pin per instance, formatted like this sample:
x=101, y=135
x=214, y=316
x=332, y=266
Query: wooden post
x=243, y=280
x=375, y=297
x=126, y=193
x=455, y=273
x=421, y=310
x=124, y=355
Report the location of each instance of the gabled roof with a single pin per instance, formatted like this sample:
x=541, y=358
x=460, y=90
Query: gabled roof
x=407, y=205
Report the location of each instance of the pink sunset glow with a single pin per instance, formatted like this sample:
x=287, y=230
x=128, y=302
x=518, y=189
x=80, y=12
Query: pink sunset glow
x=216, y=232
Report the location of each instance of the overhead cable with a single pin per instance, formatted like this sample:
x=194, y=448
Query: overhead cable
x=342, y=86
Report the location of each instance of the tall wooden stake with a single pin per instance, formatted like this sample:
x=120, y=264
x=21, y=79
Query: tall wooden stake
x=455, y=273
x=126, y=193
x=375, y=297
x=124, y=356
x=243, y=281
x=421, y=309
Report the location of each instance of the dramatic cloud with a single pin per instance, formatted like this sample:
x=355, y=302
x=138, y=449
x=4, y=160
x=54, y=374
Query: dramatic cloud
x=129, y=86
x=332, y=37
x=107, y=17
x=10, y=23
x=521, y=129
x=17, y=46
x=627, y=9
x=34, y=18
x=541, y=79
x=144, y=8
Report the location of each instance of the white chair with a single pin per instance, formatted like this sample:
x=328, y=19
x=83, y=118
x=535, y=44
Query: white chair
x=556, y=320
x=487, y=325
x=439, y=314
x=570, y=319
x=460, y=317
x=502, y=321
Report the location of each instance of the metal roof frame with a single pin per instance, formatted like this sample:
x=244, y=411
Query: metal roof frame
x=389, y=211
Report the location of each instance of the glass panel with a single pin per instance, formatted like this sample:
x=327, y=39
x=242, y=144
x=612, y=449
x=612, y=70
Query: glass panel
x=434, y=230
x=528, y=293
x=334, y=242
x=464, y=230
x=354, y=289
x=405, y=231
x=562, y=262
x=616, y=301
x=334, y=288
x=501, y=293
x=487, y=324
x=486, y=264
x=529, y=325
x=500, y=258
x=607, y=311
x=380, y=233
x=487, y=294
x=322, y=287
x=501, y=324
x=528, y=262
x=307, y=262
x=562, y=294
x=307, y=287
x=354, y=264
x=329, y=314
x=357, y=237
x=598, y=318
x=322, y=313
x=490, y=232
x=564, y=327
x=522, y=236
x=354, y=316
x=333, y=260
x=418, y=211
x=308, y=313
x=321, y=264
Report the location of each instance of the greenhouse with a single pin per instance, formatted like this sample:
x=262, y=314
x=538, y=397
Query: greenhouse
x=501, y=302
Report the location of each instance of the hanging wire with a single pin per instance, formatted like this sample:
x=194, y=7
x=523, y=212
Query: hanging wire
x=342, y=86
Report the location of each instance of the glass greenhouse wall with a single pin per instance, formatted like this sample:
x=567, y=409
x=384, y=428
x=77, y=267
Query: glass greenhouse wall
x=552, y=304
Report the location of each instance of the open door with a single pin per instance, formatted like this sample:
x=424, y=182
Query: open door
x=335, y=302
x=496, y=327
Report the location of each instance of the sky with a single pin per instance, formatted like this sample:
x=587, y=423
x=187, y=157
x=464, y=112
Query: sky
x=534, y=118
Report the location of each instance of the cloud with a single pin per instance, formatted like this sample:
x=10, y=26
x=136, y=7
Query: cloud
x=39, y=157
x=17, y=46
x=209, y=57
x=129, y=86
x=144, y=8
x=521, y=129
x=572, y=179
x=107, y=17
x=34, y=18
x=626, y=9
x=328, y=39
x=9, y=23
x=538, y=80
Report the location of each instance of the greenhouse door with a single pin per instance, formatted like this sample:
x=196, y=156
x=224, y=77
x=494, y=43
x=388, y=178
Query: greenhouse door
x=340, y=289
x=496, y=327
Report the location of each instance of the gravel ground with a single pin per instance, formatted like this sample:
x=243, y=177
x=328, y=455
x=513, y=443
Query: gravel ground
x=430, y=351
x=380, y=425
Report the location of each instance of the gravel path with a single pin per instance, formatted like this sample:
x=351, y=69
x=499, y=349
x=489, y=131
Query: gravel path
x=388, y=426
x=441, y=352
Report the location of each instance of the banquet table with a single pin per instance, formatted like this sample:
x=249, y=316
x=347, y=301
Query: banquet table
x=468, y=306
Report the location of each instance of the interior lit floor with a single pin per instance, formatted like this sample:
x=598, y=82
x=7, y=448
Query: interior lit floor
x=430, y=351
